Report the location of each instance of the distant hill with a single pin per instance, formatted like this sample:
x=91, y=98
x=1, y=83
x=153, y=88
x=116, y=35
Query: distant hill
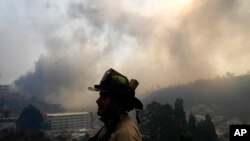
x=16, y=102
x=230, y=94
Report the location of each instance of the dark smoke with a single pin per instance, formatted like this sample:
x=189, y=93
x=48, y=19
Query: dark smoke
x=208, y=39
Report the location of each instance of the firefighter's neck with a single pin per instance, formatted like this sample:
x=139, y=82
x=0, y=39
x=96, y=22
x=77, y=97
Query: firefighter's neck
x=111, y=117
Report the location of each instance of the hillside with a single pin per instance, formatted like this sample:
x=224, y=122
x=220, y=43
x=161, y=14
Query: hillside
x=16, y=102
x=230, y=95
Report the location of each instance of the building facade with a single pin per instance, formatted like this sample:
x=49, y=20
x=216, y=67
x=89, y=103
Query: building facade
x=69, y=121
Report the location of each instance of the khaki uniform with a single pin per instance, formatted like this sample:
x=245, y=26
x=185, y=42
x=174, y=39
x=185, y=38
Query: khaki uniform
x=125, y=130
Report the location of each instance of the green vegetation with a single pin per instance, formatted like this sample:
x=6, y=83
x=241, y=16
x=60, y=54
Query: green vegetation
x=29, y=126
x=30, y=120
x=232, y=90
x=164, y=123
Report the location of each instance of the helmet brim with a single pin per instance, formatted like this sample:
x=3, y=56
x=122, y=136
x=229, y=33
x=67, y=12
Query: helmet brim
x=137, y=104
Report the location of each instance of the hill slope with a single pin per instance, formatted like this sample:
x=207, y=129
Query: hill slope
x=231, y=95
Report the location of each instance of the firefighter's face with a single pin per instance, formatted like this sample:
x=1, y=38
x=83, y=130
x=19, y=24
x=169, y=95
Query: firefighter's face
x=106, y=104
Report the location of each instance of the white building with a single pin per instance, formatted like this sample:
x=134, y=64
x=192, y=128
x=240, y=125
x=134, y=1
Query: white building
x=69, y=121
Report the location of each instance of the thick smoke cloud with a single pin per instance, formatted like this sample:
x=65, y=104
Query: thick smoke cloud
x=85, y=38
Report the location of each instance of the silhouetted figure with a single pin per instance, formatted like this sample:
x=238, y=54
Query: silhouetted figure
x=117, y=98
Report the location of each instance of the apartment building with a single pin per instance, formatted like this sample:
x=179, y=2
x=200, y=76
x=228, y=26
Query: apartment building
x=69, y=121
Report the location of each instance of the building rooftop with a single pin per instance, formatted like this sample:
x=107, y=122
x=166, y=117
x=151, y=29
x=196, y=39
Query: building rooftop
x=67, y=114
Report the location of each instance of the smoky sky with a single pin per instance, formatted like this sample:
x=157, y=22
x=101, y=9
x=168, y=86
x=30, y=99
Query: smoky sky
x=55, y=50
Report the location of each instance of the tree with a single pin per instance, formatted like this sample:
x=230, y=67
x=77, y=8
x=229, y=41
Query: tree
x=158, y=123
x=211, y=133
x=206, y=130
x=187, y=137
x=30, y=120
x=163, y=123
x=191, y=124
x=150, y=124
x=85, y=138
x=180, y=115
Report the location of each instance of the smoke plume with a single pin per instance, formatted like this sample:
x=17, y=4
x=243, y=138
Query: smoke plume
x=158, y=43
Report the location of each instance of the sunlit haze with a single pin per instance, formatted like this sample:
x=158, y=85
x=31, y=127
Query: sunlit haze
x=56, y=49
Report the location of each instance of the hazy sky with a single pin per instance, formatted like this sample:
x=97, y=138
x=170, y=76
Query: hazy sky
x=56, y=49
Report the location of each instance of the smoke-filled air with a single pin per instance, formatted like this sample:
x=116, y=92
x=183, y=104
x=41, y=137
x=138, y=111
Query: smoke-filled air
x=56, y=49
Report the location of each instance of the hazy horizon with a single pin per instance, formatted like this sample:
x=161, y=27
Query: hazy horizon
x=56, y=49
